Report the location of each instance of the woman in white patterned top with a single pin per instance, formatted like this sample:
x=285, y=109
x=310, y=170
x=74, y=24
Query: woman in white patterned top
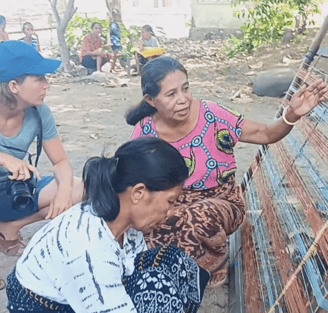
x=76, y=262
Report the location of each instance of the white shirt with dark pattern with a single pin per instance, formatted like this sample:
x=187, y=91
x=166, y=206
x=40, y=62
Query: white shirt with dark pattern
x=76, y=260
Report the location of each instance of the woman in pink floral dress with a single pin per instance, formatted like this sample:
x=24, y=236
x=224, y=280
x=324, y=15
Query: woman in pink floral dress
x=205, y=133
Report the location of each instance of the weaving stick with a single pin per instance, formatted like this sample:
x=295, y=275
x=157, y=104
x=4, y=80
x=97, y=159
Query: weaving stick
x=311, y=54
x=309, y=72
x=311, y=251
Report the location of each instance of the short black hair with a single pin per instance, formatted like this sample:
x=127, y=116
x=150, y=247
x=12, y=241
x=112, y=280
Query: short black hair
x=94, y=24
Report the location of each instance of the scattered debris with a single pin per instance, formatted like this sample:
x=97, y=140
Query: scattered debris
x=251, y=73
x=235, y=95
x=256, y=66
x=94, y=136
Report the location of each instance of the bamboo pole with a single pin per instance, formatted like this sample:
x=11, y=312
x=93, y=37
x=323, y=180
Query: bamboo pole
x=313, y=249
x=310, y=55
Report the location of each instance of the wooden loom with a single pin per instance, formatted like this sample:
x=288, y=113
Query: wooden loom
x=279, y=256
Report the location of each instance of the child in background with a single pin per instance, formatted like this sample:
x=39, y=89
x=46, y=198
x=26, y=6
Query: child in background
x=3, y=35
x=28, y=31
x=148, y=41
x=115, y=37
x=148, y=37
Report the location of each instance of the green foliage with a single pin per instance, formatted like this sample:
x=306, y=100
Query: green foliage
x=298, y=38
x=268, y=20
x=130, y=36
x=79, y=27
x=189, y=24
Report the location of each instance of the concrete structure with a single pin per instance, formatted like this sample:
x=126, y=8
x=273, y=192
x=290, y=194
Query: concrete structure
x=177, y=16
x=173, y=16
x=216, y=14
x=40, y=14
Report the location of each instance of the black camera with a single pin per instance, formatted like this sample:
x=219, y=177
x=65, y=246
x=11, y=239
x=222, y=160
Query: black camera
x=22, y=193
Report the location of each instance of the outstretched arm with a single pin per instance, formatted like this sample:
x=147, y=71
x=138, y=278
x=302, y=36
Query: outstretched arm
x=301, y=104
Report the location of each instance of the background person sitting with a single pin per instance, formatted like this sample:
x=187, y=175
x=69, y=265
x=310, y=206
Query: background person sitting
x=23, y=116
x=3, y=35
x=31, y=37
x=148, y=37
x=144, y=52
x=93, y=56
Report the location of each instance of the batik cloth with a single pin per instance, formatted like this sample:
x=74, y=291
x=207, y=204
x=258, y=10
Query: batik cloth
x=211, y=206
x=23, y=300
x=201, y=224
x=165, y=279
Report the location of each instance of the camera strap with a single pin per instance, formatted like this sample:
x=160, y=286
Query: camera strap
x=39, y=141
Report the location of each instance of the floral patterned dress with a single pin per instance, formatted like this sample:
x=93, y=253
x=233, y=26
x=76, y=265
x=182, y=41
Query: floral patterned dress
x=211, y=206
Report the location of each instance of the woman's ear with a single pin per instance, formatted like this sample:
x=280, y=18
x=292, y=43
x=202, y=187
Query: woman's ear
x=150, y=100
x=138, y=193
x=13, y=86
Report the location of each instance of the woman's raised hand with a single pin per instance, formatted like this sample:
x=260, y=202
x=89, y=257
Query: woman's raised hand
x=19, y=169
x=306, y=99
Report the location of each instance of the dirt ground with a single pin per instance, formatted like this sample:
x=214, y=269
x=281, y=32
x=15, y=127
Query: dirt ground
x=90, y=118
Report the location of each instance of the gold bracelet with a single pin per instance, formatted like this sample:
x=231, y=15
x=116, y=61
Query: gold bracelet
x=284, y=117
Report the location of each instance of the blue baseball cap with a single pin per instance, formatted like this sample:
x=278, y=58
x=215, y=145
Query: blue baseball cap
x=17, y=58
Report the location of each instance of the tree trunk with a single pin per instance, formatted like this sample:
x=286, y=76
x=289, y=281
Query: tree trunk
x=61, y=27
x=64, y=51
x=113, y=4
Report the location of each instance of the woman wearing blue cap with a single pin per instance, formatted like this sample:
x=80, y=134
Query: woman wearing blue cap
x=26, y=198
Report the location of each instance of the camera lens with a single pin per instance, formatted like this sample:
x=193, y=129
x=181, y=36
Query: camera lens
x=22, y=201
x=21, y=196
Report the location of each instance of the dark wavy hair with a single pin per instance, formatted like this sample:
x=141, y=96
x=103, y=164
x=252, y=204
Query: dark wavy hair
x=152, y=74
x=148, y=29
x=150, y=161
x=94, y=24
